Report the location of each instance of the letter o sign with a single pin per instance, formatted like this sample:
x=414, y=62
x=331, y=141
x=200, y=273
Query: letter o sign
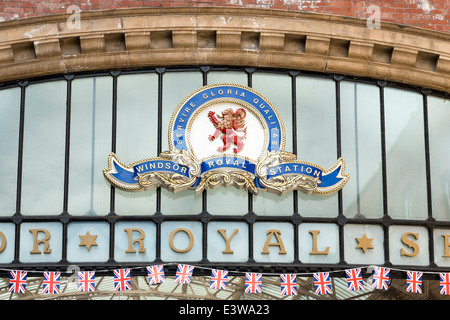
x=191, y=240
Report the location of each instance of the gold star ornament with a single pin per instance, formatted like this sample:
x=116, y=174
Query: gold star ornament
x=364, y=243
x=88, y=240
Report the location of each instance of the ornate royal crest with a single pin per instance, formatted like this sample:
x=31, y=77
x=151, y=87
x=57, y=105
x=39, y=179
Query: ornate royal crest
x=228, y=126
x=226, y=134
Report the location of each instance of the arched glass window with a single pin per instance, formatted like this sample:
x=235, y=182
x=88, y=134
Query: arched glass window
x=56, y=135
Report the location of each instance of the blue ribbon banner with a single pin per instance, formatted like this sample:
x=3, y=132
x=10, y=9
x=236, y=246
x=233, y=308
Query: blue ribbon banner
x=127, y=177
x=232, y=163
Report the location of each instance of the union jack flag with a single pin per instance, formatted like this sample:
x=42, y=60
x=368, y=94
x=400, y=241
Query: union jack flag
x=86, y=281
x=322, y=282
x=219, y=279
x=51, y=282
x=184, y=273
x=253, y=282
x=354, y=279
x=17, y=281
x=288, y=284
x=445, y=283
x=414, y=281
x=122, y=279
x=155, y=274
x=380, y=278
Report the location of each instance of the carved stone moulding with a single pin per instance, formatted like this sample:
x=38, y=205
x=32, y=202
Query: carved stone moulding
x=253, y=37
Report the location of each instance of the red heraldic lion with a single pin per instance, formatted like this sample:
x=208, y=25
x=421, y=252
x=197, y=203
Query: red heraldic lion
x=228, y=125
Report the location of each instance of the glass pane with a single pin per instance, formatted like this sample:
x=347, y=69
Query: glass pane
x=44, y=148
x=273, y=242
x=8, y=230
x=137, y=132
x=319, y=242
x=90, y=144
x=400, y=250
x=439, y=133
x=440, y=240
x=405, y=154
x=85, y=251
x=236, y=234
x=176, y=87
x=49, y=239
x=128, y=238
x=278, y=90
x=227, y=77
x=9, y=141
x=316, y=138
x=361, y=150
x=359, y=251
x=181, y=241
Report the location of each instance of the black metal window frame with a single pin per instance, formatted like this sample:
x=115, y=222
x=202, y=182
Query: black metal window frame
x=204, y=217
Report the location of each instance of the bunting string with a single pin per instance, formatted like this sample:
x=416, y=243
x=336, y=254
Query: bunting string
x=379, y=279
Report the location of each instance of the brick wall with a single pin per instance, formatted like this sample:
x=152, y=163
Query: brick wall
x=430, y=14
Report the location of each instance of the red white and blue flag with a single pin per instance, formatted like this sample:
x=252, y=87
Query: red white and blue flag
x=155, y=274
x=122, y=279
x=86, y=281
x=288, y=284
x=354, y=279
x=253, y=282
x=51, y=282
x=445, y=283
x=219, y=279
x=414, y=281
x=184, y=273
x=380, y=278
x=322, y=282
x=17, y=281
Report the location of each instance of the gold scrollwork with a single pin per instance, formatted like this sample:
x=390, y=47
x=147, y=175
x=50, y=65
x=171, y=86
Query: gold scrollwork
x=173, y=182
x=184, y=158
x=273, y=159
x=284, y=183
x=241, y=180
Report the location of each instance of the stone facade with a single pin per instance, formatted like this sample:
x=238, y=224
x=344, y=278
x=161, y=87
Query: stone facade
x=430, y=14
x=254, y=37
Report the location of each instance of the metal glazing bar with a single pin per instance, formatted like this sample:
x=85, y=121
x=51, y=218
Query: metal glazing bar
x=295, y=215
x=294, y=75
x=17, y=215
x=69, y=79
x=204, y=212
x=250, y=214
x=430, y=222
x=23, y=86
x=158, y=220
x=341, y=218
x=386, y=219
x=65, y=213
x=114, y=74
x=112, y=213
